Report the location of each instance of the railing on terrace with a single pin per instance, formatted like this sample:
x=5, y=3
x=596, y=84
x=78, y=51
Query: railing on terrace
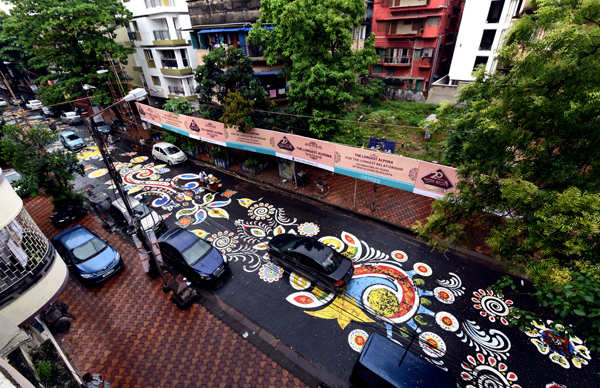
x=169, y=63
x=161, y=35
x=176, y=90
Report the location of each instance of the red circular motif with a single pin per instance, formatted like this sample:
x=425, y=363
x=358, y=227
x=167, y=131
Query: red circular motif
x=303, y=299
x=350, y=239
x=443, y=295
x=447, y=321
x=360, y=340
x=422, y=268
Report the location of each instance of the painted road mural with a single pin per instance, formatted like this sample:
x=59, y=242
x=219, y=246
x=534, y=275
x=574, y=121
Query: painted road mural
x=399, y=288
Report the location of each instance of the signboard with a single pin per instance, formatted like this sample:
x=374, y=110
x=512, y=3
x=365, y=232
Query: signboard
x=257, y=140
x=149, y=114
x=435, y=180
x=378, y=167
x=173, y=122
x=205, y=130
x=382, y=145
x=305, y=150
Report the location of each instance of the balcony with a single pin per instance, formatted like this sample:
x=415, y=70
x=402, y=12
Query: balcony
x=396, y=61
x=176, y=90
x=180, y=72
x=163, y=38
x=150, y=63
x=395, y=4
x=134, y=35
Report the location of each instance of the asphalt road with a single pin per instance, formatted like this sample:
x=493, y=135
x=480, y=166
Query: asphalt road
x=401, y=288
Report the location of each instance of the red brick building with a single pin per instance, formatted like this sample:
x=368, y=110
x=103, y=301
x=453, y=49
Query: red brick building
x=414, y=40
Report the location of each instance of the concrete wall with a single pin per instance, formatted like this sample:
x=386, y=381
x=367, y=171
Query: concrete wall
x=221, y=12
x=440, y=93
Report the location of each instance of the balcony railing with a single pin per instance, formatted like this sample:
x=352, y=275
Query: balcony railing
x=169, y=63
x=396, y=60
x=25, y=255
x=176, y=90
x=161, y=35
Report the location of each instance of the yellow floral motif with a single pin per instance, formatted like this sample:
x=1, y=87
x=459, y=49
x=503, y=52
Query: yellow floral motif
x=88, y=152
x=343, y=309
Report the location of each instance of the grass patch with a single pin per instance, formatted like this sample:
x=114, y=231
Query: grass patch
x=407, y=129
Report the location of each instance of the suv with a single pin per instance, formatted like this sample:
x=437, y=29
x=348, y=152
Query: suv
x=149, y=219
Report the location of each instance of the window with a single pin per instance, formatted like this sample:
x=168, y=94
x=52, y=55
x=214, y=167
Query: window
x=377, y=69
x=134, y=26
x=495, y=11
x=435, y=21
x=480, y=61
x=196, y=251
x=148, y=54
x=184, y=57
x=428, y=52
x=88, y=249
x=168, y=58
x=159, y=3
x=155, y=80
x=161, y=35
x=408, y=3
x=487, y=39
x=397, y=56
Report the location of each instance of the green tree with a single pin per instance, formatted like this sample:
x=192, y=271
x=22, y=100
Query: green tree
x=313, y=39
x=237, y=112
x=73, y=38
x=527, y=146
x=50, y=171
x=224, y=71
x=179, y=105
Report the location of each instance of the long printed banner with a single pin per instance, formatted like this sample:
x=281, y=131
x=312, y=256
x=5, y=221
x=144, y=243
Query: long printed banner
x=413, y=175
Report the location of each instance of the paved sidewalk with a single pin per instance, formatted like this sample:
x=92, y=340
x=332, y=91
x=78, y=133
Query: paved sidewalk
x=131, y=333
x=392, y=205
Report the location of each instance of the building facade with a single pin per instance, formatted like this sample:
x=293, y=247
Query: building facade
x=415, y=41
x=483, y=26
x=164, y=55
x=225, y=23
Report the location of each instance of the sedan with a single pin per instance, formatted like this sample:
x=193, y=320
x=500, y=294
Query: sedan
x=33, y=104
x=311, y=259
x=87, y=255
x=3, y=102
x=71, y=118
x=191, y=255
x=149, y=219
x=168, y=153
x=71, y=140
x=103, y=129
x=47, y=111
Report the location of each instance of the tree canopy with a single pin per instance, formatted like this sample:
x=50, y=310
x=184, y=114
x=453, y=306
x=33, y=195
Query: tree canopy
x=72, y=38
x=313, y=39
x=526, y=142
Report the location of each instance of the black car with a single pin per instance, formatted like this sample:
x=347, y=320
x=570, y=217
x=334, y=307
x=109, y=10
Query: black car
x=311, y=259
x=191, y=255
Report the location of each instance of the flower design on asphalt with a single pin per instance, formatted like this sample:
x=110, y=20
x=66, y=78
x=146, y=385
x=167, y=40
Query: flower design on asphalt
x=261, y=211
x=270, y=272
x=224, y=241
x=308, y=229
x=548, y=339
x=493, y=306
x=481, y=371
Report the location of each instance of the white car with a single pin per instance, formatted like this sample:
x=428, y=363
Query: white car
x=70, y=118
x=3, y=102
x=33, y=104
x=149, y=219
x=168, y=153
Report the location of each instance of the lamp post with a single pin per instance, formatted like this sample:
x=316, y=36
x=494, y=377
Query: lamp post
x=134, y=227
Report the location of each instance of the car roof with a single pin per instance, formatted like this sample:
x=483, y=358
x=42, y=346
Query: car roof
x=73, y=237
x=305, y=246
x=70, y=113
x=399, y=367
x=164, y=145
x=121, y=205
x=36, y=101
x=67, y=133
x=179, y=238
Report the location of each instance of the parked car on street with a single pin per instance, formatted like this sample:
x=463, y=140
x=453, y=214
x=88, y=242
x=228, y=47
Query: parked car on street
x=385, y=363
x=102, y=127
x=194, y=257
x=90, y=257
x=168, y=153
x=71, y=140
x=149, y=219
x=48, y=111
x=3, y=102
x=17, y=101
x=12, y=176
x=71, y=118
x=34, y=104
x=311, y=259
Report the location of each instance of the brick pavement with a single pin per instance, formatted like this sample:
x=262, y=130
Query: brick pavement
x=392, y=205
x=129, y=331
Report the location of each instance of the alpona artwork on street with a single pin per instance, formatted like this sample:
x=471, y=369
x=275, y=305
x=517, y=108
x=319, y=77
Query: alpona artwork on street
x=465, y=330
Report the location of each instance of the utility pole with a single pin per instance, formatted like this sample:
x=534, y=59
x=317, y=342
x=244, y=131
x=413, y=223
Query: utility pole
x=21, y=111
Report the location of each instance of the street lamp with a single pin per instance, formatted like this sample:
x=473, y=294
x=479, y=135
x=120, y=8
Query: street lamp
x=134, y=229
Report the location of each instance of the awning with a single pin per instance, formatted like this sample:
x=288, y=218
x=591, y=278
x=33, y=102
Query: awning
x=270, y=72
x=229, y=29
x=405, y=17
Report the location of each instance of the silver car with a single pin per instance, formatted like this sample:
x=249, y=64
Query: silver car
x=149, y=219
x=71, y=118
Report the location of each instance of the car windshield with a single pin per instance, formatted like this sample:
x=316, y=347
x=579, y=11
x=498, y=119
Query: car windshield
x=13, y=177
x=88, y=249
x=195, y=252
x=72, y=137
x=35, y=102
x=104, y=128
x=172, y=150
x=331, y=263
x=70, y=114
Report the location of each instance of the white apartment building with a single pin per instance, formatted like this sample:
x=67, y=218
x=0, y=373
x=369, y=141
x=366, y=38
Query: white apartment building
x=164, y=55
x=483, y=26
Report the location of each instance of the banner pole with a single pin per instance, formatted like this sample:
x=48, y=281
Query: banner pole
x=355, y=188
